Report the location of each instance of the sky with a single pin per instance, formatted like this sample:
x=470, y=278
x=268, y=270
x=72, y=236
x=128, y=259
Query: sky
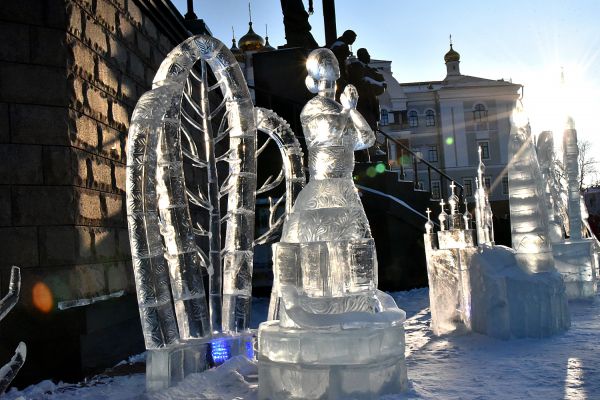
x=526, y=41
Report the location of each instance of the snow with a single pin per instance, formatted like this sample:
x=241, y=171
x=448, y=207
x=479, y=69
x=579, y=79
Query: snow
x=471, y=366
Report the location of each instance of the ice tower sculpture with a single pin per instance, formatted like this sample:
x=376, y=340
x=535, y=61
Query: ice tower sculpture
x=336, y=336
x=552, y=186
x=176, y=221
x=576, y=257
x=495, y=290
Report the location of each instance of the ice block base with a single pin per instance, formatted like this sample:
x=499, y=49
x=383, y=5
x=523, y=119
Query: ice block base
x=360, y=363
x=577, y=262
x=169, y=366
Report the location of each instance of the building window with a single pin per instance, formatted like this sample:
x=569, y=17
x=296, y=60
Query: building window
x=435, y=190
x=468, y=185
x=505, y=185
x=480, y=115
x=430, y=118
x=485, y=150
x=413, y=119
x=384, y=118
x=433, y=154
x=487, y=181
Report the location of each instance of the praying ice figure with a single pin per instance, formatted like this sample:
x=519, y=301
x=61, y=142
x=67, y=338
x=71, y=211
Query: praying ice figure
x=328, y=217
x=326, y=308
x=329, y=207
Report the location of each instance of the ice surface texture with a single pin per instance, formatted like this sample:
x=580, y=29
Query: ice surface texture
x=332, y=333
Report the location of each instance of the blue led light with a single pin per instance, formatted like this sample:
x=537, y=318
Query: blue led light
x=249, y=350
x=220, y=350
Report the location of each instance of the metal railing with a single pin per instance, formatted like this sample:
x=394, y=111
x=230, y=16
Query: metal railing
x=445, y=179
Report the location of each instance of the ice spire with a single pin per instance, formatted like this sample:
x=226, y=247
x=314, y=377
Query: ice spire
x=528, y=214
x=552, y=187
x=483, y=210
x=443, y=216
x=467, y=215
x=428, y=224
x=455, y=221
x=570, y=157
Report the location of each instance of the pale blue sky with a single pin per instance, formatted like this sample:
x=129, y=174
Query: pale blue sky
x=527, y=41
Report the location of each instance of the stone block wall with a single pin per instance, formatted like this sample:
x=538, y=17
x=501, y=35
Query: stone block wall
x=71, y=72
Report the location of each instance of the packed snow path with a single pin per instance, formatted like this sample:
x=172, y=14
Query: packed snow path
x=469, y=366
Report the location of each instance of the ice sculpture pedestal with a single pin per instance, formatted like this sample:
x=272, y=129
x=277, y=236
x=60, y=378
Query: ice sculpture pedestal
x=168, y=366
x=448, y=276
x=359, y=363
x=577, y=262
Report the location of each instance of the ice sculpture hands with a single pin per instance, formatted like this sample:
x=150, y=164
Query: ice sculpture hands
x=349, y=98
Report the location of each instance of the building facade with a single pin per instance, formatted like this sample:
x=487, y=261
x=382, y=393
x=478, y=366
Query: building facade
x=445, y=122
x=71, y=72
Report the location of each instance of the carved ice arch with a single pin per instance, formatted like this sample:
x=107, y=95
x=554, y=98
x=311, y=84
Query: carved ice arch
x=167, y=259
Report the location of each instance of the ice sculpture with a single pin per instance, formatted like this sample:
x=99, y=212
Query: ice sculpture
x=10, y=370
x=336, y=335
x=576, y=257
x=173, y=123
x=528, y=213
x=570, y=161
x=493, y=289
x=483, y=210
x=552, y=186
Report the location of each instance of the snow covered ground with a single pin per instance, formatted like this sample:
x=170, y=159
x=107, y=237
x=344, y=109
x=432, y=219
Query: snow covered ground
x=471, y=366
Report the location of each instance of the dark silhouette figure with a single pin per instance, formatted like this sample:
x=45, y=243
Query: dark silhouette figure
x=297, y=28
x=369, y=84
x=341, y=50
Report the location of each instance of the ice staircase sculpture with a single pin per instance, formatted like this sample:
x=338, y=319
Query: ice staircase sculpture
x=10, y=370
x=495, y=290
x=576, y=258
x=335, y=335
x=186, y=160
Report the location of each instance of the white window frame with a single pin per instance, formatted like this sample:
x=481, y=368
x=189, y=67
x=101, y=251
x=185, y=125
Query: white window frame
x=413, y=119
x=487, y=146
x=435, y=188
x=429, y=117
x=468, y=185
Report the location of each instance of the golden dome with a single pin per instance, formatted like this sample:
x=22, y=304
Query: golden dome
x=451, y=55
x=251, y=41
x=239, y=56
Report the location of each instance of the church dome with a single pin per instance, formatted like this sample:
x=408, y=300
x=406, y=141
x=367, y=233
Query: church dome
x=251, y=41
x=239, y=56
x=451, y=55
x=268, y=46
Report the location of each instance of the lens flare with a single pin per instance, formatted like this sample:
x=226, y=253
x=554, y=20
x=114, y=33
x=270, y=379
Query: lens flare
x=42, y=297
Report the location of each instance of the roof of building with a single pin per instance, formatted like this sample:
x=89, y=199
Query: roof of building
x=251, y=41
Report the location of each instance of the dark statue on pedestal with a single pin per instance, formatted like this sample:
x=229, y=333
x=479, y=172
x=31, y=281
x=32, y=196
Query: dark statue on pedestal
x=369, y=84
x=297, y=28
x=341, y=50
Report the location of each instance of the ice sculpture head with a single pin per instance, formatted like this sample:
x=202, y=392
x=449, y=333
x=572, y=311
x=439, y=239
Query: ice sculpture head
x=323, y=70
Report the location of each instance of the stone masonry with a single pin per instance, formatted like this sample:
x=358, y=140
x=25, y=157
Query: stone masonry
x=71, y=72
